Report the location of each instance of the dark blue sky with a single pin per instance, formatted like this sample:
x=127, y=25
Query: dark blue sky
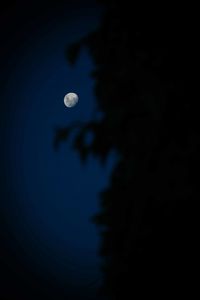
x=47, y=197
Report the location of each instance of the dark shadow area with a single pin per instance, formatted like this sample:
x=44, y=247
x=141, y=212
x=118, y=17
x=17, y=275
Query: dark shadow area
x=149, y=118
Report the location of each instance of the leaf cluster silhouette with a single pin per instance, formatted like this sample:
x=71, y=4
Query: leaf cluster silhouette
x=151, y=122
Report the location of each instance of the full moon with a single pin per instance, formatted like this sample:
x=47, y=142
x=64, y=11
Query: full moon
x=70, y=99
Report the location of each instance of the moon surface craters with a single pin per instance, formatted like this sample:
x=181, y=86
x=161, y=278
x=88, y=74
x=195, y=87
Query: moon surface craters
x=70, y=99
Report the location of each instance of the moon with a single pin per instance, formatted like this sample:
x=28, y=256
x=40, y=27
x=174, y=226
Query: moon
x=70, y=99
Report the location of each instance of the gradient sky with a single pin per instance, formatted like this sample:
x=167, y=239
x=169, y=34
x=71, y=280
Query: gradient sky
x=47, y=196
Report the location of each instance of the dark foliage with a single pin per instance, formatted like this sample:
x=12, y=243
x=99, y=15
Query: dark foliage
x=150, y=119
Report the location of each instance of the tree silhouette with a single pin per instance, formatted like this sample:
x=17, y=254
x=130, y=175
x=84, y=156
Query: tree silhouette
x=148, y=119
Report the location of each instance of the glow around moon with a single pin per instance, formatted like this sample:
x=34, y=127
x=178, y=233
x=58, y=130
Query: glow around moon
x=70, y=99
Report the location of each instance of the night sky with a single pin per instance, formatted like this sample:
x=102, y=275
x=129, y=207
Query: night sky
x=49, y=246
